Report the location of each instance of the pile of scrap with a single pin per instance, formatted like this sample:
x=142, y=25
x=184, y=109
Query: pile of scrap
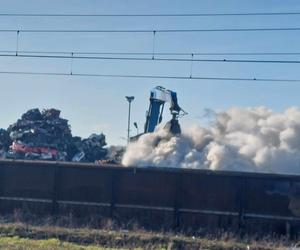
x=114, y=155
x=5, y=142
x=46, y=136
x=91, y=148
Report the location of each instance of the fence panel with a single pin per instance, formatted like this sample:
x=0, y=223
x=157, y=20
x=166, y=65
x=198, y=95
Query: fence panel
x=155, y=198
x=148, y=196
x=27, y=187
x=82, y=188
x=209, y=201
x=272, y=204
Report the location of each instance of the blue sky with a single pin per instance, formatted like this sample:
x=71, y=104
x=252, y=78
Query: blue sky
x=98, y=104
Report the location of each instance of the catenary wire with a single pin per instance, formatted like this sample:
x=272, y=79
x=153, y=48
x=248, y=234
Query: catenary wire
x=149, y=30
x=148, y=15
x=150, y=53
x=151, y=59
x=151, y=76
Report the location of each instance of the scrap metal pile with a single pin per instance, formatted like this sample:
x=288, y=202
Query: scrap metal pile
x=46, y=136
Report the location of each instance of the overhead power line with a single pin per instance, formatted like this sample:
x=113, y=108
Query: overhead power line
x=148, y=30
x=149, y=15
x=151, y=53
x=151, y=59
x=151, y=76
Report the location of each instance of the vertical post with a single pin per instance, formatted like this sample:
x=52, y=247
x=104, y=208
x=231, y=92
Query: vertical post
x=241, y=200
x=112, y=193
x=17, y=42
x=2, y=186
x=177, y=199
x=191, y=69
x=128, y=130
x=153, y=44
x=71, y=67
x=288, y=229
x=129, y=99
x=56, y=176
x=289, y=224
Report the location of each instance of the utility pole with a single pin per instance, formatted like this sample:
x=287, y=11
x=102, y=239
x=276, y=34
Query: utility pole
x=129, y=99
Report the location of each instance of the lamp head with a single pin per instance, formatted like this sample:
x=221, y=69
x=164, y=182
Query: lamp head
x=129, y=98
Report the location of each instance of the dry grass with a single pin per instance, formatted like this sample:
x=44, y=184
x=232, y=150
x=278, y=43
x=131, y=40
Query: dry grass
x=53, y=237
x=62, y=230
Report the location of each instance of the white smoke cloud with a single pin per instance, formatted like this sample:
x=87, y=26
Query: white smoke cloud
x=243, y=139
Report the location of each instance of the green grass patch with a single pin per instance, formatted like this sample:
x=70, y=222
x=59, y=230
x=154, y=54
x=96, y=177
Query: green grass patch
x=17, y=243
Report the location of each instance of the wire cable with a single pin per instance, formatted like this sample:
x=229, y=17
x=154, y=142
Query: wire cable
x=149, y=15
x=151, y=59
x=151, y=76
x=149, y=30
x=156, y=53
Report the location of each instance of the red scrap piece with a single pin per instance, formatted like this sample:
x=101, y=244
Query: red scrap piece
x=23, y=148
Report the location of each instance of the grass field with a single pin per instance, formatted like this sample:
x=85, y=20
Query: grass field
x=19, y=236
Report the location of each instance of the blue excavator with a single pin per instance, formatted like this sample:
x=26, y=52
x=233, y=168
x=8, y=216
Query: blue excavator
x=158, y=97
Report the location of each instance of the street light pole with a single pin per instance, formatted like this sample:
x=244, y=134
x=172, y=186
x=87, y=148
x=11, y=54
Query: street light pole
x=129, y=99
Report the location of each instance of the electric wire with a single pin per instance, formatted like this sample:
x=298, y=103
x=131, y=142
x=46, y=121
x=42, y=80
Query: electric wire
x=72, y=56
x=148, y=30
x=156, y=53
x=150, y=76
x=148, y=15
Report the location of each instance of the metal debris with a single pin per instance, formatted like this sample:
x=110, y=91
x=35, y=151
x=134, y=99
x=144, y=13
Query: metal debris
x=46, y=136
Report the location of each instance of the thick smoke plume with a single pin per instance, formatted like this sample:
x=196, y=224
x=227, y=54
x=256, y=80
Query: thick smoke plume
x=252, y=139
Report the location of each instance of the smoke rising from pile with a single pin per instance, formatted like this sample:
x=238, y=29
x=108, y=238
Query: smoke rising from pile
x=243, y=139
